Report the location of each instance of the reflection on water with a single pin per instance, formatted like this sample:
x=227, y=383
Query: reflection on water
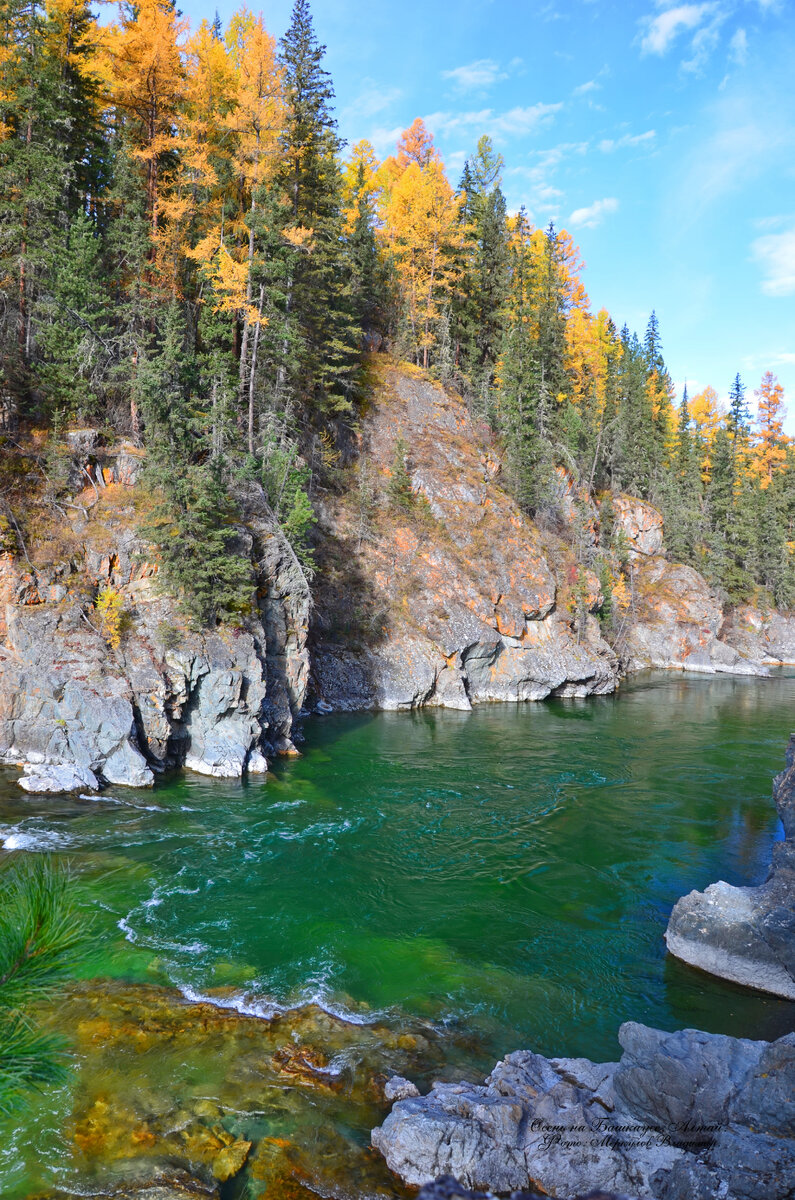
x=505, y=875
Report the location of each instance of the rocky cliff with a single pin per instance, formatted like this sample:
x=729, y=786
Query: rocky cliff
x=433, y=589
x=457, y=598
x=451, y=597
x=80, y=708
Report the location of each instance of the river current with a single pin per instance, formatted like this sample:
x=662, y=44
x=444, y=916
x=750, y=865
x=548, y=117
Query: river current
x=507, y=873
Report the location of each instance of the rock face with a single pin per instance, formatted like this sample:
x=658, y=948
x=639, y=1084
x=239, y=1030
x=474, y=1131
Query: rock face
x=682, y=1110
x=640, y=523
x=78, y=712
x=747, y=934
x=450, y=600
x=677, y=624
x=768, y=637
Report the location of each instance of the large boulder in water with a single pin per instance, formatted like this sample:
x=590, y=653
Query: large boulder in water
x=747, y=934
x=680, y=1110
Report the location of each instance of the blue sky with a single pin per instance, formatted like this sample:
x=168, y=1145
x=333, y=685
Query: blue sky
x=660, y=134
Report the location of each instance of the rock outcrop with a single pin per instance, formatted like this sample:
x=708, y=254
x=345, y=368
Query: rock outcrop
x=641, y=525
x=448, y=1188
x=747, y=934
x=680, y=1110
x=677, y=624
x=78, y=711
x=765, y=635
x=451, y=598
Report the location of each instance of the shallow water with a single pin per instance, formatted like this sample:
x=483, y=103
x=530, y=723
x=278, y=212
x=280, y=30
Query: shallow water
x=505, y=874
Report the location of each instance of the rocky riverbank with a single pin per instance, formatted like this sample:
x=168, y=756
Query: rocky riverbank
x=444, y=594
x=747, y=934
x=681, y=1116
x=80, y=708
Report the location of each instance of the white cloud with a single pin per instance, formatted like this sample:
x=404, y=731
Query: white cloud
x=738, y=47
x=590, y=217
x=516, y=122
x=370, y=101
x=584, y=88
x=662, y=31
x=384, y=140
x=476, y=76
x=608, y=145
x=775, y=254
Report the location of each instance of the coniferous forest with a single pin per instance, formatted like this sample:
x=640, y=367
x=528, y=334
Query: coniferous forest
x=192, y=260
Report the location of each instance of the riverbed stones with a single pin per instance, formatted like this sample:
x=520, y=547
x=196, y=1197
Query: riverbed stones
x=679, y=1110
x=747, y=934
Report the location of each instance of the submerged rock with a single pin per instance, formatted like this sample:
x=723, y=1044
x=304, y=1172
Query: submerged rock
x=172, y=1093
x=678, y=1110
x=747, y=934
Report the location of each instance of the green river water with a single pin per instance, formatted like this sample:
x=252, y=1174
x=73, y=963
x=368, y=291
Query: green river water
x=504, y=876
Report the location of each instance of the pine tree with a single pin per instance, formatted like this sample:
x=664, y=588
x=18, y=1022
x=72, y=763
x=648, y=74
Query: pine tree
x=40, y=938
x=738, y=421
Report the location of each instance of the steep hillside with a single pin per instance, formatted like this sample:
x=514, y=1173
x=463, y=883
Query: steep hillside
x=432, y=589
x=455, y=597
x=90, y=694
x=450, y=597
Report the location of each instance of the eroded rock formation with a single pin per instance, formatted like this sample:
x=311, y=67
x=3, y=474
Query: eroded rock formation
x=458, y=601
x=680, y=1114
x=747, y=934
x=77, y=711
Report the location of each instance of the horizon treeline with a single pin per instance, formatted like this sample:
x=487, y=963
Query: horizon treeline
x=190, y=258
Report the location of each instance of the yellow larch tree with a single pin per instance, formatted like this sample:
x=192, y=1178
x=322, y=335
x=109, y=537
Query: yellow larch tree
x=360, y=179
x=421, y=232
x=770, y=449
x=707, y=417
x=140, y=65
x=194, y=205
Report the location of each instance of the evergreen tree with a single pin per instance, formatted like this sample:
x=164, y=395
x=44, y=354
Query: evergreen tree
x=738, y=421
x=40, y=937
x=193, y=525
x=321, y=288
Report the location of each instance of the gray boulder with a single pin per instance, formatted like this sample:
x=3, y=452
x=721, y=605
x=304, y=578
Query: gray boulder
x=682, y=1083
x=747, y=934
x=49, y=777
x=548, y=1124
x=683, y=1114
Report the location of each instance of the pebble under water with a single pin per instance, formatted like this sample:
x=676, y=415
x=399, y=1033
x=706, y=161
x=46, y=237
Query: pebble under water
x=499, y=879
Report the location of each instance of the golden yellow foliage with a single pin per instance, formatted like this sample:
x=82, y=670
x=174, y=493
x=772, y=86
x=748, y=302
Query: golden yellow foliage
x=770, y=450
x=109, y=608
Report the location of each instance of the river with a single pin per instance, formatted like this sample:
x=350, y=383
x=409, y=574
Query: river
x=502, y=876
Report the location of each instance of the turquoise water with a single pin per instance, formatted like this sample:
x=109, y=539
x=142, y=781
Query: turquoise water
x=507, y=871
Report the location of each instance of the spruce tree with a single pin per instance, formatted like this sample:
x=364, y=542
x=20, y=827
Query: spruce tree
x=321, y=298
x=193, y=525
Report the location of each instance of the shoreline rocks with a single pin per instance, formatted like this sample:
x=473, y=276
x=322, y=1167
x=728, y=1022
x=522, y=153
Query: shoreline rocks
x=677, y=1113
x=747, y=934
x=78, y=712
